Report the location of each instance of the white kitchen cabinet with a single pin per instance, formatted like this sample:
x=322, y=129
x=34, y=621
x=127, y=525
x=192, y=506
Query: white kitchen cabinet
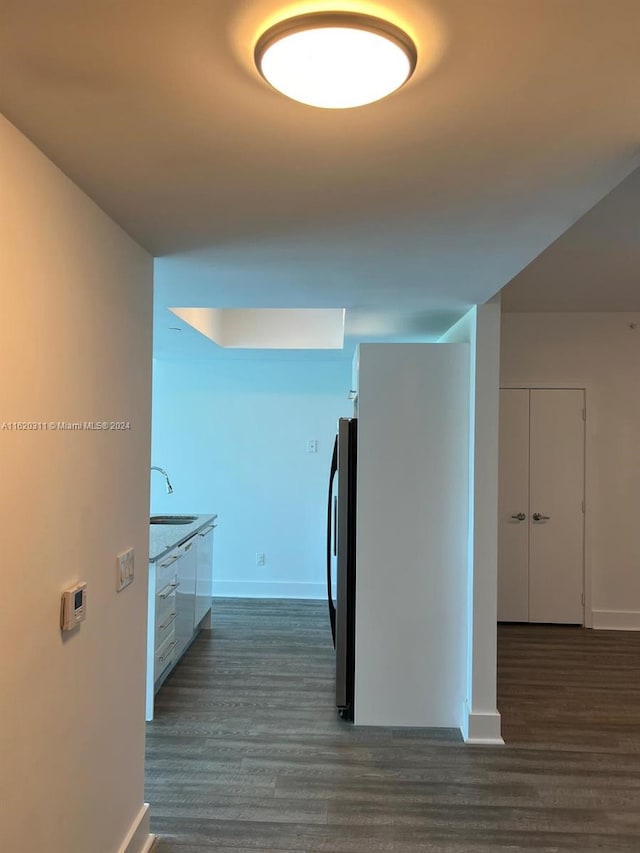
x=164, y=656
x=161, y=617
x=186, y=568
x=204, y=574
x=179, y=596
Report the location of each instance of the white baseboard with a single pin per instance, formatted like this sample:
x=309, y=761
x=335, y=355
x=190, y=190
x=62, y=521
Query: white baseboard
x=139, y=839
x=255, y=589
x=616, y=620
x=481, y=727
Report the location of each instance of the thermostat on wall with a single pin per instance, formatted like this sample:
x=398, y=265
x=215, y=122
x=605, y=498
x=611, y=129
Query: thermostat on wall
x=74, y=606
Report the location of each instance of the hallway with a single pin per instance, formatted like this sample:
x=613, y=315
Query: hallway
x=246, y=752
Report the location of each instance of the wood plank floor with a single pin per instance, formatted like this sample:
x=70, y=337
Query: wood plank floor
x=246, y=753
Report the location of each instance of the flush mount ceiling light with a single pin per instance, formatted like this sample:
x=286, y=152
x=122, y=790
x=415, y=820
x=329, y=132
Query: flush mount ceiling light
x=335, y=60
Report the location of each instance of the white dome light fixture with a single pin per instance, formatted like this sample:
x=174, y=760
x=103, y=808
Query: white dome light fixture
x=335, y=60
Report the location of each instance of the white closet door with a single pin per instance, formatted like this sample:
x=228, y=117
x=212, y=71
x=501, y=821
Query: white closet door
x=556, y=494
x=513, y=507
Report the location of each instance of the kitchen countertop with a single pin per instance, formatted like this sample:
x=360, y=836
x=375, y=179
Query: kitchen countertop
x=164, y=537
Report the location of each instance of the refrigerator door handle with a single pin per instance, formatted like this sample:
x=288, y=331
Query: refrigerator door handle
x=332, y=608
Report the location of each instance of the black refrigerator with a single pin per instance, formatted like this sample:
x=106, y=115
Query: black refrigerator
x=341, y=560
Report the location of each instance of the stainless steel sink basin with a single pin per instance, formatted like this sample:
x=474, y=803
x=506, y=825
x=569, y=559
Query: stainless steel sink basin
x=172, y=519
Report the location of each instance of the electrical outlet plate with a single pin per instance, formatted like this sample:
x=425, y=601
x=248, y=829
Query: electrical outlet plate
x=260, y=558
x=312, y=445
x=124, y=569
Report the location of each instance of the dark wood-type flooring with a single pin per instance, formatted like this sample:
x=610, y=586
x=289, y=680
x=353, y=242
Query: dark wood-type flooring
x=246, y=753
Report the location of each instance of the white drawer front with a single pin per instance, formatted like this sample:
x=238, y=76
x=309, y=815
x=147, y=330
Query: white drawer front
x=165, y=625
x=164, y=605
x=167, y=590
x=166, y=568
x=164, y=655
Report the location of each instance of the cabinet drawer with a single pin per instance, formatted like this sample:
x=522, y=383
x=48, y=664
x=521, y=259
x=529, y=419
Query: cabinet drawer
x=164, y=656
x=166, y=613
x=167, y=590
x=164, y=605
x=166, y=568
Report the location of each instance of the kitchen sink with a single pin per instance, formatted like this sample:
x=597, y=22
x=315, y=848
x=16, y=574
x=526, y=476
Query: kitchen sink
x=173, y=519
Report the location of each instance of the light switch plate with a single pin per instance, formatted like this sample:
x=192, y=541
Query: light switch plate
x=124, y=569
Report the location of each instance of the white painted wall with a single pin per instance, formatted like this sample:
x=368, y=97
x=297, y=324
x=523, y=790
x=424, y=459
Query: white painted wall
x=232, y=435
x=412, y=534
x=75, y=345
x=601, y=352
x=481, y=328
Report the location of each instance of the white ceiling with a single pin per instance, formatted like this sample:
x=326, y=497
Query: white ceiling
x=521, y=116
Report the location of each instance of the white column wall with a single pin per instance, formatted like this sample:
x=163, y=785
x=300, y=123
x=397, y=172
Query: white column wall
x=481, y=328
x=411, y=643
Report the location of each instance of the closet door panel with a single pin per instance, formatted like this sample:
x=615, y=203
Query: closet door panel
x=556, y=494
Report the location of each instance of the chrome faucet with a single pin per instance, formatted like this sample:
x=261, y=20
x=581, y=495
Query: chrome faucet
x=166, y=476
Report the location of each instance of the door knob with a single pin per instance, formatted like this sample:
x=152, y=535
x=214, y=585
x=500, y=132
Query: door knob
x=538, y=517
x=519, y=517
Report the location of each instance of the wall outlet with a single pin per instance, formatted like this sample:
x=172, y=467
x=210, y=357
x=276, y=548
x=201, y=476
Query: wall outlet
x=124, y=569
x=312, y=445
x=260, y=558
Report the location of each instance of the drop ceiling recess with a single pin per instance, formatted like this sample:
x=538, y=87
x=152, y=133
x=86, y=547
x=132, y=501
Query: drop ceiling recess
x=268, y=328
